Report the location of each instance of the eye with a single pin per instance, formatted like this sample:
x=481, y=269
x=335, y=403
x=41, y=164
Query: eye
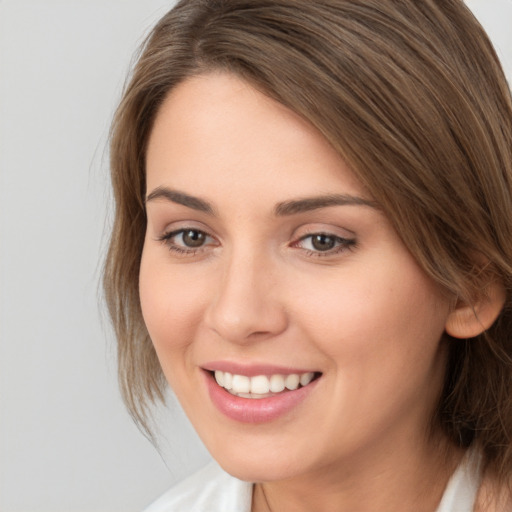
x=324, y=244
x=191, y=238
x=187, y=240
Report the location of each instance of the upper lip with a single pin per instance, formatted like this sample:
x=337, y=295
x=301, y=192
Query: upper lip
x=253, y=369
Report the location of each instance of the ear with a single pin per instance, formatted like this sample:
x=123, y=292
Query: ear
x=469, y=320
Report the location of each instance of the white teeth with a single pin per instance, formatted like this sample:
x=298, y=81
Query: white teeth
x=241, y=384
x=277, y=383
x=292, y=381
x=228, y=380
x=306, y=378
x=261, y=386
x=243, y=395
x=219, y=377
x=251, y=395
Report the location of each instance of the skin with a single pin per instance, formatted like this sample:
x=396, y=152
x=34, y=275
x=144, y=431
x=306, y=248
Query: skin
x=364, y=314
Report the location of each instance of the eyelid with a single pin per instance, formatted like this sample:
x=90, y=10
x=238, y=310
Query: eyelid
x=325, y=228
x=163, y=225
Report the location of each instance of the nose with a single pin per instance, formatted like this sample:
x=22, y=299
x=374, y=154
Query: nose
x=246, y=305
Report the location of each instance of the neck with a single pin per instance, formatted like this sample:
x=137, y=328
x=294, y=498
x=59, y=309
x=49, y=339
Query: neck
x=400, y=481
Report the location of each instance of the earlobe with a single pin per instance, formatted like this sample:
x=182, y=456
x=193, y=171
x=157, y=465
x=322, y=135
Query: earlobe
x=470, y=320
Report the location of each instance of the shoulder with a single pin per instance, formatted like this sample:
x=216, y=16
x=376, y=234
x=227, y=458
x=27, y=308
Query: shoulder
x=209, y=490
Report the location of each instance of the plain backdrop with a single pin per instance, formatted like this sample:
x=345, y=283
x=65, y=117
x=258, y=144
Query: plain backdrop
x=66, y=442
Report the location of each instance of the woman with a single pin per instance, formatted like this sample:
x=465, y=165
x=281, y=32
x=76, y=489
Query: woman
x=313, y=246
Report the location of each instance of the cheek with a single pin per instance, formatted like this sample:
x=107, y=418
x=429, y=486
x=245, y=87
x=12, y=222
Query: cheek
x=381, y=336
x=171, y=303
x=377, y=316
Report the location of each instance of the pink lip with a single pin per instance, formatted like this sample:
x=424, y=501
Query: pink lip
x=252, y=370
x=250, y=410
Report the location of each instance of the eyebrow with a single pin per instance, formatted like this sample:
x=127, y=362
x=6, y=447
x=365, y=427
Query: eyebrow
x=181, y=198
x=315, y=203
x=283, y=209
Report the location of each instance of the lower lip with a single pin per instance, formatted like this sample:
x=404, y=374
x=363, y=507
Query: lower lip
x=255, y=410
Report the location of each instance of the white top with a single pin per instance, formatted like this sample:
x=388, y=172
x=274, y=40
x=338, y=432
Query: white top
x=209, y=490
x=213, y=490
x=460, y=493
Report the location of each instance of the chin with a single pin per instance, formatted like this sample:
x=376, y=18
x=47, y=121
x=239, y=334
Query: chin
x=260, y=462
x=250, y=470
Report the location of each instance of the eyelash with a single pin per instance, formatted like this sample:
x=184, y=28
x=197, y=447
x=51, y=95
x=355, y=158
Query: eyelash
x=343, y=244
x=167, y=238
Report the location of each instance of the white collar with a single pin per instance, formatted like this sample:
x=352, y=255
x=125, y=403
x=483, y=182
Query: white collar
x=461, y=490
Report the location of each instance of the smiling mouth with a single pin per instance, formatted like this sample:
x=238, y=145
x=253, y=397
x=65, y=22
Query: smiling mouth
x=263, y=386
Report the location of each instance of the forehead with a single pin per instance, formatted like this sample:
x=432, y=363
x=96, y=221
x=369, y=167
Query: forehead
x=217, y=127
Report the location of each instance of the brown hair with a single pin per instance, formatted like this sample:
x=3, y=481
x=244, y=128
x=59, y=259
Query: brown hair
x=412, y=96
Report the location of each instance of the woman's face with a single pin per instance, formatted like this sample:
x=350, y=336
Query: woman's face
x=265, y=260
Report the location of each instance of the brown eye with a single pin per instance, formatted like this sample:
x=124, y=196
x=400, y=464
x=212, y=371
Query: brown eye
x=193, y=238
x=323, y=242
x=188, y=241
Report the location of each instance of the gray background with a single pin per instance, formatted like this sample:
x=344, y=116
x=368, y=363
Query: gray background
x=66, y=442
